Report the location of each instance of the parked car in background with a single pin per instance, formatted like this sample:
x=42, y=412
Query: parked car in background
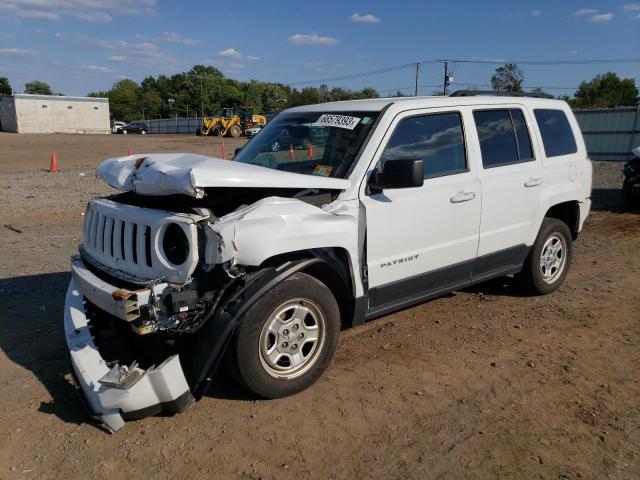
x=117, y=126
x=263, y=260
x=134, y=127
x=631, y=183
x=253, y=131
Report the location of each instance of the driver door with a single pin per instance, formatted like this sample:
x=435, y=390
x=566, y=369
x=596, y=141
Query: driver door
x=423, y=241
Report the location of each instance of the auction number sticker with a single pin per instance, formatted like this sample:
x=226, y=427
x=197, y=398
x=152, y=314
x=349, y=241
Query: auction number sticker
x=339, y=121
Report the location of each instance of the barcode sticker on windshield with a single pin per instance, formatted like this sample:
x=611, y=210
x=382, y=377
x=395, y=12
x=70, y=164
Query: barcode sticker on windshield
x=339, y=121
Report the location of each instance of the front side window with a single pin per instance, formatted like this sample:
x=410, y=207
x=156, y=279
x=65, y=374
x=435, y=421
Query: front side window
x=311, y=143
x=436, y=139
x=556, y=132
x=504, y=138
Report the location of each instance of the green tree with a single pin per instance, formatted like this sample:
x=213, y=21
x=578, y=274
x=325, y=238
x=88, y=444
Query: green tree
x=125, y=100
x=37, y=88
x=509, y=77
x=607, y=90
x=5, y=86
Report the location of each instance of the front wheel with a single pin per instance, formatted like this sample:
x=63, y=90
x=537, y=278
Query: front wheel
x=235, y=131
x=124, y=132
x=548, y=262
x=287, y=339
x=143, y=132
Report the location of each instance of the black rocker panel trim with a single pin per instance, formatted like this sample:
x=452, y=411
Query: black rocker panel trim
x=413, y=290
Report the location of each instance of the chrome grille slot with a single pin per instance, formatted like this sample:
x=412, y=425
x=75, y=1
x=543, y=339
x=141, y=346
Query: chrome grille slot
x=124, y=239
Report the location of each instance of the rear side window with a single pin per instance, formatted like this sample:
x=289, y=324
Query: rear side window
x=504, y=138
x=436, y=139
x=556, y=132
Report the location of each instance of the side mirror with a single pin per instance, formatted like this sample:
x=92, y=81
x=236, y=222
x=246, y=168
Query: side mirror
x=398, y=174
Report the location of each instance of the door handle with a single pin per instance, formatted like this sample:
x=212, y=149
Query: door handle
x=533, y=182
x=463, y=197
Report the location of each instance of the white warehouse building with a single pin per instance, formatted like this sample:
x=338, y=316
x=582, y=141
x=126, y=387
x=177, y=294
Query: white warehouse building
x=24, y=113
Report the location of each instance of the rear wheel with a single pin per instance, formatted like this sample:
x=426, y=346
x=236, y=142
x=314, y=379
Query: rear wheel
x=287, y=339
x=548, y=262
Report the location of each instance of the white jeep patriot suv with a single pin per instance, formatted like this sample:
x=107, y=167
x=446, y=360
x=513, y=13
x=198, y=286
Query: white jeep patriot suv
x=332, y=215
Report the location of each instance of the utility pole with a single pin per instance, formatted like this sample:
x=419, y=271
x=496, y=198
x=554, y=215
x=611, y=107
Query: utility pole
x=417, y=73
x=201, y=99
x=447, y=78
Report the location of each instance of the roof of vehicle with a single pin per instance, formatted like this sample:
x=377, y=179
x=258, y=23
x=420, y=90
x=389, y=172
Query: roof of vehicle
x=377, y=104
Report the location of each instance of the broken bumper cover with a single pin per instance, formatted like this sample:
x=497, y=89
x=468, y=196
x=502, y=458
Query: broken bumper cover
x=161, y=388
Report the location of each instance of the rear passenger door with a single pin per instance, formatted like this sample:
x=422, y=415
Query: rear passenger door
x=513, y=181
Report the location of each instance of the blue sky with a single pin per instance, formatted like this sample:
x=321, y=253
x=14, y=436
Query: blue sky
x=79, y=46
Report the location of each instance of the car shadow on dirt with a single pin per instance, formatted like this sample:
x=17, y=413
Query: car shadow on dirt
x=32, y=336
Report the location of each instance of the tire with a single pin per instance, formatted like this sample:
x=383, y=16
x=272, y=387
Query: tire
x=235, y=131
x=199, y=132
x=124, y=132
x=143, y=132
x=627, y=193
x=548, y=262
x=265, y=351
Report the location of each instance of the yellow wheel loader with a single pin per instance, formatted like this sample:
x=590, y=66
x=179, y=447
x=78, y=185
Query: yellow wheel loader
x=230, y=122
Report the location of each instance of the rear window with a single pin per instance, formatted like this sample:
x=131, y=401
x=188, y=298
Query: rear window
x=556, y=132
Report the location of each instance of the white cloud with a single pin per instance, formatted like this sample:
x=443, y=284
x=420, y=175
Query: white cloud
x=18, y=53
x=602, y=17
x=594, y=15
x=173, y=37
x=252, y=57
x=136, y=53
x=368, y=18
x=97, y=68
x=87, y=10
x=312, y=39
x=585, y=11
x=631, y=7
x=229, y=53
x=235, y=66
x=536, y=13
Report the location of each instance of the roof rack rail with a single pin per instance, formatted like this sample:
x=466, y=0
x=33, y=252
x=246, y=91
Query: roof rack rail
x=498, y=93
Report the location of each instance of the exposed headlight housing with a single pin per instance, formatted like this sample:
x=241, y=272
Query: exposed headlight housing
x=175, y=244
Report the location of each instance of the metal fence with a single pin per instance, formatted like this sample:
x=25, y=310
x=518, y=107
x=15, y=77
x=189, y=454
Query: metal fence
x=610, y=133
x=186, y=126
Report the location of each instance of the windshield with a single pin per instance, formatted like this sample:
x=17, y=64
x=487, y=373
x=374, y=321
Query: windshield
x=311, y=143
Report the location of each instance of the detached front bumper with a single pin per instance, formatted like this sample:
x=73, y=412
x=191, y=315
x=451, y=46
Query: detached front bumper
x=157, y=389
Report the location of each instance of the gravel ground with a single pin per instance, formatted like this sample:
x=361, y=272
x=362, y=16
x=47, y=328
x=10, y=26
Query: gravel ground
x=482, y=383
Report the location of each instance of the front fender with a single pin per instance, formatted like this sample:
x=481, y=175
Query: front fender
x=274, y=226
x=215, y=335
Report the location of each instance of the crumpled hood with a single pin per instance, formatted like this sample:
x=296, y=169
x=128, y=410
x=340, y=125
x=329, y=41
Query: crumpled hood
x=188, y=173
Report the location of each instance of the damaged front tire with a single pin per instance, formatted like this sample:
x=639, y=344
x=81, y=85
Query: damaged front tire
x=287, y=339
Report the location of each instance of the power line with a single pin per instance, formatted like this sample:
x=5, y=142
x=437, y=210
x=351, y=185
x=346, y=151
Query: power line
x=468, y=61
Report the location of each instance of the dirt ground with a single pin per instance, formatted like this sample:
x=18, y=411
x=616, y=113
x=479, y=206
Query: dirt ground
x=483, y=383
x=33, y=151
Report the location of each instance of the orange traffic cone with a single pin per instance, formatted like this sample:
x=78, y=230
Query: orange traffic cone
x=129, y=152
x=310, y=151
x=54, y=163
x=291, y=152
x=222, y=151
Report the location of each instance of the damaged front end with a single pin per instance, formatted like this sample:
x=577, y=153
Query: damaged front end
x=160, y=282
